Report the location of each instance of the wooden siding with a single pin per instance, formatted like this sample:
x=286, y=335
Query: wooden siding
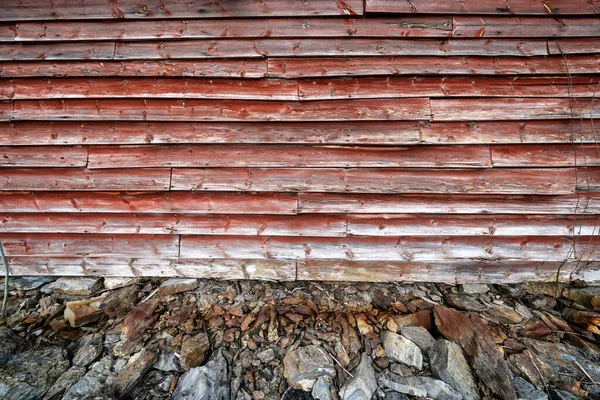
x=448, y=141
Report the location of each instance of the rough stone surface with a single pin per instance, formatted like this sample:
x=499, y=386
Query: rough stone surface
x=139, y=319
x=419, y=336
x=96, y=382
x=207, y=382
x=449, y=364
x=588, y=297
x=177, y=285
x=78, y=286
x=322, y=389
x=88, y=353
x=28, y=375
x=30, y=282
x=474, y=288
x=9, y=345
x=83, y=312
x=402, y=350
x=136, y=367
x=168, y=362
x=194, y=350
x=363, y=384
x=65, y=381
x=526, y=391
x=118, y=282
x=401, y=385
x=304, y=365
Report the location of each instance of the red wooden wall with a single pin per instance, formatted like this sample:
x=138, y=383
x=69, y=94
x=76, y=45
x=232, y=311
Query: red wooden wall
x=438, y=140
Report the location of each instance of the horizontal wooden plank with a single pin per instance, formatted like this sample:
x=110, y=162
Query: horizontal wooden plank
x=565, y=155
x=426, y=86
x=75, y=133
x=154, y=202
x=42, y=156
x=516, y=132
x=168, y=68
x=48, y=245
x=448, y=204
x=588, y=179
x=512, y=109
x=436, y=26
x=157, y=224
x=56, y=51
x=450, y=272
x=573, y=46
x=422, y=65
x=164, y=88
x=471, y=225
x=518, y=7
x=222, y=110
x=83, y=179
x=330, y=47
x=380, y=180
x=378, y=249
x=22, y=10
x=288, y=156
x=272, y=270
x=485, y=26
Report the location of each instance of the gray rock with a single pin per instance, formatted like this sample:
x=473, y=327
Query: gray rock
x=117, y=283
x=266, y=355
x=322, y=389
x=30, y=282
x=65, y=382
x=557, y=394
x=88, y=353
x=449, y=364
x=401, y=369
x=209, y=382
x=419, y=386
x=401, y=350
x=97, y=381
x=78, y=286
x=30, y=374
x=474, y=288
x=395, y=396
x=526, y=391
x=168, y=362
x=177, y=285
x=304, y=365
x=10, y=345
x=419, y=336
x=400, y=384
x=136, y=367
x=362, y=385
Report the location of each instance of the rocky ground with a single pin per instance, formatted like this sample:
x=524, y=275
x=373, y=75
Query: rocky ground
x=89, y=338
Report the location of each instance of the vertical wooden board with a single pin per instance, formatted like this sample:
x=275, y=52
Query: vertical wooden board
x=153, y=202
x=56, y=51
x=470, y=225
x=164, y=88
x=83, y=179
x=22, y=10
x=359, y=180
x=331, y=47
x=233, y=156
x=449, y=204
x=222, y=110
x=518, y=7
x=514, y=132
x=93, y=133
x=424, y=65
x=512, y=109
x=450, y=272
x=378, y=249
x=473, y=27
x=42, y=156
x=71, y=245
x=165, y=224
x=247, y=68
x=573, y=46
x=564, y=155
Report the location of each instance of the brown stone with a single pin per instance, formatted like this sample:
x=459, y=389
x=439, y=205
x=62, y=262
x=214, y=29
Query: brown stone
x=476, y=340
x=120, y=302
x=176, y=285
x=581, y=317
x=589, y=297
x=139, y=319
x=464, y=302
x=419, y=318
x=83, y=312
x=194, y=350
x=134, y=370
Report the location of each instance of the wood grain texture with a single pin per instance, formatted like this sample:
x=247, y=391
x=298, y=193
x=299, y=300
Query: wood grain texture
x=449, y=204
x=566, y=155
x=510, y=132
x=164, y=88
x=272, y=270
x=574, y=46
x=229, y=28
x=414, y=249
x=233, y=156
x=83, y=179
x=489, y=26
x=56, y=51
x=93, y=132
x=48, y=245
x=512, y=109
x=423, y=65
x=42, y=156
x=518, y=7
x=20, y=10
x=222, y=110
x=149, y=202
x=450, y=272
x=471, y=225
x=247, y=68
x=331, y=47
x=165, y=224
x=380, y=180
